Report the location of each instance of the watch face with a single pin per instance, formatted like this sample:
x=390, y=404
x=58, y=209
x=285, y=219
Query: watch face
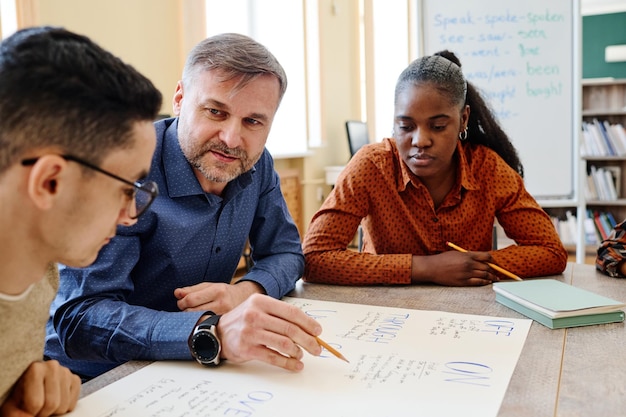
x=205, y=346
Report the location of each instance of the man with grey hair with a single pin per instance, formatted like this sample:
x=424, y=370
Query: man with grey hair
x=159, y=288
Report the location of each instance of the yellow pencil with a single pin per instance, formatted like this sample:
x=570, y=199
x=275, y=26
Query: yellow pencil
x=494, y=266
x=330, y=349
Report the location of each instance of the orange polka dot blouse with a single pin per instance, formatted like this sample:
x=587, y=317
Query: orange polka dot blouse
x=399, y=219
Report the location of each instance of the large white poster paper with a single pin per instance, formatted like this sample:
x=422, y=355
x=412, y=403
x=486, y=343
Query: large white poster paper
x=402, y=362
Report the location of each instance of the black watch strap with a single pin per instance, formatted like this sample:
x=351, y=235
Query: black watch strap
x=208, y=322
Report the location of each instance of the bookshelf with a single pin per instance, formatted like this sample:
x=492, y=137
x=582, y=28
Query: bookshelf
x=602, y=100
x=603, y=106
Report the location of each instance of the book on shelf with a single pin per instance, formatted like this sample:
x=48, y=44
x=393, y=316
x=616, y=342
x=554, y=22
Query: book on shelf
x=603, y=183
x=587, y=147
x=597, y=225
x=610, y=184
x=618, y=143
x=610, y=147
x=601, y=138
x=558, y=305
x=600, y=225
x=594, y=144
x=618, y=132
x=611, y=219
x=592, y=235
x=566, y=228
x=572, y=226
x=590, y=189
x=595, y=180
x=604, y=222
x=614, y=175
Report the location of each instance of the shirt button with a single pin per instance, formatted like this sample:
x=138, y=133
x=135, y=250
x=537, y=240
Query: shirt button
x=435, y=219
x=218, y=249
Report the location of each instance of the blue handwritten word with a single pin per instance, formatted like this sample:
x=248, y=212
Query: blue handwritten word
x=528, y=50
x=446, y=39
x=468, y=373
x=542, y=69
x=546, y=91
x=493, y=74
x=114, y=411
x=484, y=53
x=547, y=17
x=326, y=354
x=501, y=96
x=532, y=34
x=504, y=113
x=444, y=21
x=387, y=329
x=499, y=327
x=250, y=404
x=320, y=314
x=505, y=18
x=492, y=37
x=150, y=390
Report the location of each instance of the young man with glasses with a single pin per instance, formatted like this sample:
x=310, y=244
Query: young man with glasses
x=70, y=112
x=161, y=290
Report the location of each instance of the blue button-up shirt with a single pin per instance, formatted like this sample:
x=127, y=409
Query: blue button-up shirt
x=123, y=306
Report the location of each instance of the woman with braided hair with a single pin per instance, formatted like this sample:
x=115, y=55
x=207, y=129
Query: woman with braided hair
x=446, y=175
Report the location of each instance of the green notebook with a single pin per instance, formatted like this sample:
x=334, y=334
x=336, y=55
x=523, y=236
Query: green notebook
x=556, y=304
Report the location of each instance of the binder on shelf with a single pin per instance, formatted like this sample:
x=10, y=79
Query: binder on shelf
x=595, y=228
x=590, y=189
x=558, y=305
x=619, y=133
x=597, y=182
x=606, y=223
x=590, y=219
x=604, y=182
x=592, y=235
x=566, y=228
x=604, y=137
x=572, y=226
x=612, y=221
x=596, y=140
x=589, y=147
x=610, y=185
x=615, y=179
x=618, y=144
x=601, y=138
x=604, y=233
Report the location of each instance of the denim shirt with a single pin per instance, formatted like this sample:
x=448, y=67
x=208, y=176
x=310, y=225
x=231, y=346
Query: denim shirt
x=123, y=306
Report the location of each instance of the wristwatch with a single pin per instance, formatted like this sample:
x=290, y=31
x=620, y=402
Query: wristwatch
x=204, y=344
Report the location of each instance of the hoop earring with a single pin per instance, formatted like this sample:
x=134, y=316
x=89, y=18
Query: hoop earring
x=463, y=135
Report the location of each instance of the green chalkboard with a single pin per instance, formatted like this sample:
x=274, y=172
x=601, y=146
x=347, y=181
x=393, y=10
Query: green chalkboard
x=599, y=31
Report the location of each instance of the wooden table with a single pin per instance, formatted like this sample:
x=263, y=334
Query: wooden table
x=568, y=372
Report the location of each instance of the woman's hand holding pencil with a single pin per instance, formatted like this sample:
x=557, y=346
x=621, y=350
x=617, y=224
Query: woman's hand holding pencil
x=491, y=265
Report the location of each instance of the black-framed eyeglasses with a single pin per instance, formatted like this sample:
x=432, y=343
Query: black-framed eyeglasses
x=144, y=192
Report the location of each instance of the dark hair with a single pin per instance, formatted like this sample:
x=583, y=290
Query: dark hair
x=443, y=69
x=59, y=89
x=235, y=55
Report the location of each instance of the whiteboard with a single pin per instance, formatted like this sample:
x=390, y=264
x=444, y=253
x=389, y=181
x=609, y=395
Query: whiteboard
x=523, y=55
